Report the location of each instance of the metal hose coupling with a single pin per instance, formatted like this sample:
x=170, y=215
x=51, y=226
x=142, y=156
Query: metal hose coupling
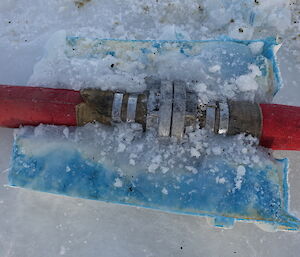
x=170, y=108
x=233, y=117
x=109, y=107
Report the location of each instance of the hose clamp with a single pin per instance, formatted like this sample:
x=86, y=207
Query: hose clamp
x=210, y=119
x=131, y=108
x=224, y=118
x=117, y=107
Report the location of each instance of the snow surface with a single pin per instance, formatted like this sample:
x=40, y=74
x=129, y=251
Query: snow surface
x=35, y=224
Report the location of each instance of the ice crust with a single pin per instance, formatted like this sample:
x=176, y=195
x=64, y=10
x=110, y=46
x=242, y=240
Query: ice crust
x=94, y=162
x=226, y=69
x=35, y=224
x=127, y=149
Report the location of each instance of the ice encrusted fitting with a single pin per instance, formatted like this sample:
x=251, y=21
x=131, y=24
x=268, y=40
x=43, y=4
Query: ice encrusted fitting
x=169, y=109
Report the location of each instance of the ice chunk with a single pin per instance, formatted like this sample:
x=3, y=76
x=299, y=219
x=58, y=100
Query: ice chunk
x=248, y=82
x=121, y=148
x=118, y=183
x=164, y=191
x=220, y=180
x=256, y=47
x=241, y=171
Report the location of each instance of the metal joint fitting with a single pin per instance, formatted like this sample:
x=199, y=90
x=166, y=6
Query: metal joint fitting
x=217, y=117
x=169, y=107
x=172, y=109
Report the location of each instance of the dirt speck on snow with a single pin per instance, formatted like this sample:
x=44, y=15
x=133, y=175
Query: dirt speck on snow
x=81, y=3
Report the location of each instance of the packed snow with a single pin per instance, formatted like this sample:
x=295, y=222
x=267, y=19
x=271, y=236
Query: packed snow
x=36, y=224
x=85, y=65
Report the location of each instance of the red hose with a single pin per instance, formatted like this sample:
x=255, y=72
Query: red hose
x=35, y=105
x=281, y=127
